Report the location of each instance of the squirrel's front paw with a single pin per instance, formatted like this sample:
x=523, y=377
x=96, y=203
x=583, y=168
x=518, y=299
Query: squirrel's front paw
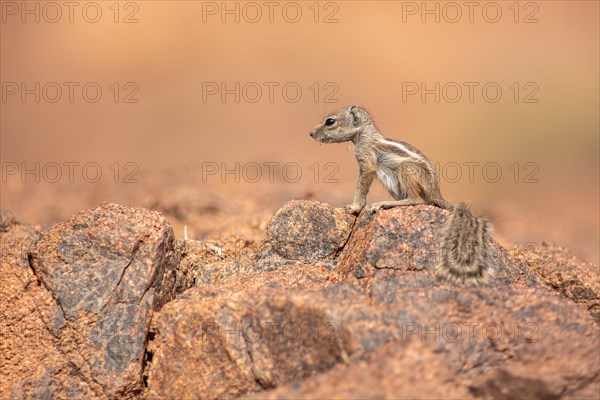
x=353, y=209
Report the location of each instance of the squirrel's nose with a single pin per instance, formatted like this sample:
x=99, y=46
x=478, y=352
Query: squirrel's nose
x=312, y=134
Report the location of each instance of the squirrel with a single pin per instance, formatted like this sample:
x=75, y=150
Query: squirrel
x=411, y=179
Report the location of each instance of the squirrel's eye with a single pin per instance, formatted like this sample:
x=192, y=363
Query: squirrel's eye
x=329, y=121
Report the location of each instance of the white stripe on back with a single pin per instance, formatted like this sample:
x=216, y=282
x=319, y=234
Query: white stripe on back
x=403, y=148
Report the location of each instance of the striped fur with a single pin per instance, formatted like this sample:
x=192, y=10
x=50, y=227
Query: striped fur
x=465, y=245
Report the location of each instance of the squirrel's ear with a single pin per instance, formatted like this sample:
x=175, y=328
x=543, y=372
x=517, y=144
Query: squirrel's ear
x=355, y=118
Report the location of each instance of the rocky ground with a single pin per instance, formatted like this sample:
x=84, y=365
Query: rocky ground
x=308, y=302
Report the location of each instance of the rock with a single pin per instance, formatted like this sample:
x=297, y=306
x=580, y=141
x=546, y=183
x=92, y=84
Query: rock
x=7, y=220
x=243, y=335
x=326, y=306
x=108, y=269
x=32, y=364
x=392, y=372
x=205, y=263
x=464, y=343
x=558, y=269
x=537, y=336
x=249, y=334
x=307, y=231
x=402, y=245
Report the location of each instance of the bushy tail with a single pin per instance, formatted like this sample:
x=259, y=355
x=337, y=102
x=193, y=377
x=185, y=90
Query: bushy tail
x=465, y=246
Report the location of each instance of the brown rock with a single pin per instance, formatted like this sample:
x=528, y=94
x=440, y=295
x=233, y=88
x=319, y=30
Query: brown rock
x=402, y=245
x=108, y=270
x=307, y=231
x=244, y=335
x=308, y=313
x=463, y=342
x=414, y=370
x=32, y=364
x=210, y=262
x=538, y=337
x=224, y=341
x=557, y=268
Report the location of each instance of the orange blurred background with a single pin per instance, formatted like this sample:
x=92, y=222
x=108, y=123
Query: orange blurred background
x=527, y=156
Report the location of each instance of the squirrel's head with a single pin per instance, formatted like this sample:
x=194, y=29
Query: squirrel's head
x=342, y=126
